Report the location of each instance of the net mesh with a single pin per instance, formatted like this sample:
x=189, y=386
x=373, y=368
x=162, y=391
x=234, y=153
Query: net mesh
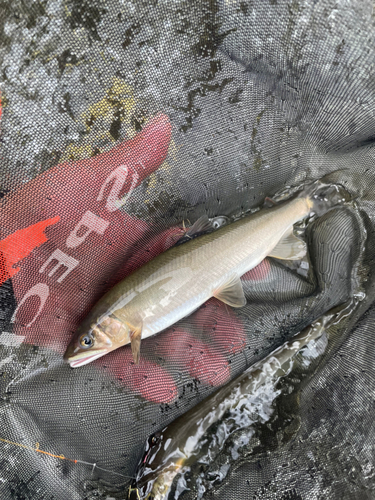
x=120, y=120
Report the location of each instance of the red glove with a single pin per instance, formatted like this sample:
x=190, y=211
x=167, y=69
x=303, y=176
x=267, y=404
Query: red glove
x=69, y=237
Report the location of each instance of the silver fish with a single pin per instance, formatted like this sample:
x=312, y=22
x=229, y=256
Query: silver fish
x=178, y=445
x=177, y=282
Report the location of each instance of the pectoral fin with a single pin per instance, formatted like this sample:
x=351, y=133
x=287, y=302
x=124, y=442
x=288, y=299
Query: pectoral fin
x=289, y=248
x=231, y=293
x=135, y=342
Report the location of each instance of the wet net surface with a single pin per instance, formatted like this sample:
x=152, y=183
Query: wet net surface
x=121, y=120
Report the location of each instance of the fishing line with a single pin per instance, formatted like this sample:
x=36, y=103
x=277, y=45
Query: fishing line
x=62, y=457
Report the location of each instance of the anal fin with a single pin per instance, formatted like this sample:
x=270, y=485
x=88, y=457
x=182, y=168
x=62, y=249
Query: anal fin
x=289, y=247
x=231, y=293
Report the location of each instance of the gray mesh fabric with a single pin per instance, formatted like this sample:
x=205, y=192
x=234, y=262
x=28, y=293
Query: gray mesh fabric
x=212, y=106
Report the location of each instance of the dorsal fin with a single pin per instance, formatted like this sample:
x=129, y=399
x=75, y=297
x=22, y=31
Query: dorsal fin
x=201, y=226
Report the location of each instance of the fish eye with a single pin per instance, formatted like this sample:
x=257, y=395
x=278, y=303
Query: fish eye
x=86, y=341
x=154, y=439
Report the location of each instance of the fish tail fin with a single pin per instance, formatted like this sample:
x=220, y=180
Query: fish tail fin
x=323, y=196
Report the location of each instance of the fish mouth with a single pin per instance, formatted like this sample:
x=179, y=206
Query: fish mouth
x=82, y=360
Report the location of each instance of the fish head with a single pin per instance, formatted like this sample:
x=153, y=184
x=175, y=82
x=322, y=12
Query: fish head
x=94, y=340
x=157, y=469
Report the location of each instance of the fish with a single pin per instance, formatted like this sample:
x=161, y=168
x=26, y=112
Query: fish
x=170, y=451
x=177, y=282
